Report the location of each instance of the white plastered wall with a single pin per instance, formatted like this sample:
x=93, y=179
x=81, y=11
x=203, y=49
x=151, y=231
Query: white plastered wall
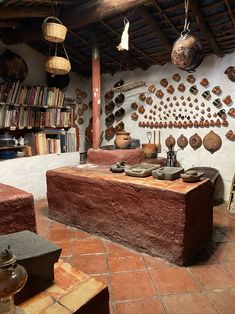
x=211, y=68
x=28, y=173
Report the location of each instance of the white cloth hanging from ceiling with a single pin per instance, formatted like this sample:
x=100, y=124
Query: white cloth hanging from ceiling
x=124, y=44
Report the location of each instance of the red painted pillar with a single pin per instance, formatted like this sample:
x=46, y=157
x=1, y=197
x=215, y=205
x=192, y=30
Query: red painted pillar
x=96, y=96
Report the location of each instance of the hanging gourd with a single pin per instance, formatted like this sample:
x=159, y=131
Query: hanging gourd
x=55, y=32
x=187, y=49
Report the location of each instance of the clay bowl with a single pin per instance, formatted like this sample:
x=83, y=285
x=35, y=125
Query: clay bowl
x=187, y=177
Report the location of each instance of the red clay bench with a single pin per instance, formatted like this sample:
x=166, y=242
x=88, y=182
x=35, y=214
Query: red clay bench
x=16, y=210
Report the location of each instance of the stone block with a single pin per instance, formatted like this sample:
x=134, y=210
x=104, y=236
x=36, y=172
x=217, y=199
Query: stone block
x=37, y=255
x=16, y=210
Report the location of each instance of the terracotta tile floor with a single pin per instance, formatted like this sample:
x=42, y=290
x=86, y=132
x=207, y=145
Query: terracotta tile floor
x=141, y=284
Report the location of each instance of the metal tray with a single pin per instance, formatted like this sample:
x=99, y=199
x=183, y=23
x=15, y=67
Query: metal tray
x=141, y=170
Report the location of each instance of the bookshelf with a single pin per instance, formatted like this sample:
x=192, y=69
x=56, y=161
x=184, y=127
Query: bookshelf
x=38, y=114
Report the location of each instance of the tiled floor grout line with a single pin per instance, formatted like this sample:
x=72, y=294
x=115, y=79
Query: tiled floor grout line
x=212, y=303
x=155, y=287
x=109, y=275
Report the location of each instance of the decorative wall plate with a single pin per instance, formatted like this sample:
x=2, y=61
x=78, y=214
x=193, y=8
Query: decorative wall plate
x=195, y=141
x=164, y=82
x=212, y=142
x=191, y=79
x=176, y=77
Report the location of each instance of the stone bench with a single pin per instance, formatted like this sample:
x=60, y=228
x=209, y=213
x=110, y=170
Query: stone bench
x=16, y=210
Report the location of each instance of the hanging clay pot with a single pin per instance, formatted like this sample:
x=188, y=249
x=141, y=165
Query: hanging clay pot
x=108, y=95
x=109, y=133
x=217, y=90
x=181, y=87
x=185, y=125
x=160, y=125
x=149, y=100
x=170, y=142
x=170, y=124
x=195, y=141
x=230, y=71
x=134, y=106
x=204, y=82
x=176, y=77
x=179, y=124
x=230, y=135
x=142, y=97
x=120, y=127
x=225, y=123
x=156, y=125
x=170, y=89
x=141, y=109
x=140, y=124
x=212, y=142
x=109, y=106
x=159, y=93
x=187, y=52
x=120, y=113
x=231, y=112
x=152, y=88
x=120, y=98
x=195, y=124
x=190, y=124
x=182, y=141
x=110, y=119
x=206, y=124
x=191, y=79
x=228, y=100
x=218, y=123
x=164, y=82
x=119, y=83
x=212, y=123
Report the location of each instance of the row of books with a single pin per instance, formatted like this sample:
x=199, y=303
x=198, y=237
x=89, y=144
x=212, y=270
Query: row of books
x=42, y=143
x=27, y=117
x=43, y=96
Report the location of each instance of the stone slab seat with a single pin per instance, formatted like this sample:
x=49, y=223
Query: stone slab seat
x=36, y=255
x=16, y=210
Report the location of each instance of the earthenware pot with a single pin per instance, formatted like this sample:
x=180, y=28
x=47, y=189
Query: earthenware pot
x=195, y=141
x=187, y=52
x=122, y=140
x=230, y=71
x=212, y=142
x=150, y=150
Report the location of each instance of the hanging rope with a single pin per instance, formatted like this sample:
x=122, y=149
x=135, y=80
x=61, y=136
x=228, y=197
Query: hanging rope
x=186, y=22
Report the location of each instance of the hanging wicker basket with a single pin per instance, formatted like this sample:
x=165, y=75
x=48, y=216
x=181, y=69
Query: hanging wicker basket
x=57, y=65
x=54, y=31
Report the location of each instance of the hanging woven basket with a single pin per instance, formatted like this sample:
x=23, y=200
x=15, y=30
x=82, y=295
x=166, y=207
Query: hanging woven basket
x=57, y=65
x=54, y=31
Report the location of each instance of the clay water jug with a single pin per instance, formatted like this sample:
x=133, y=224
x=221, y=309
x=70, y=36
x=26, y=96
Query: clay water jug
x=123, y=140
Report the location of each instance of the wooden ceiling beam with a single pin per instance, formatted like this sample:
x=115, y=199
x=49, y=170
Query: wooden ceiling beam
x=24, y=12
x=9, y=24
x=202, y=25
x=230, y=12
x=74, y=18
x=149, y=20
x=111, y=43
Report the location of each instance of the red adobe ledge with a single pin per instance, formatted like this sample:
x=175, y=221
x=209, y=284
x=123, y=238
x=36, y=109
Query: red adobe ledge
x=16, y=210
x=170, y=219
